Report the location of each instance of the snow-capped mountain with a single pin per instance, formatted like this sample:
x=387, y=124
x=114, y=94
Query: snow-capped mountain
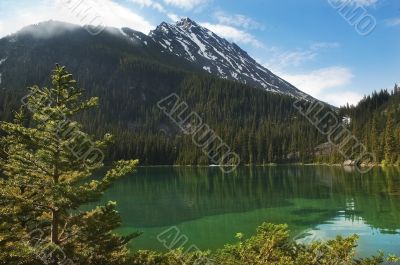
x=185, y=44
x=219, y=57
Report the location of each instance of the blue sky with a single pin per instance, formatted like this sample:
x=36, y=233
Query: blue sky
x=307, y=42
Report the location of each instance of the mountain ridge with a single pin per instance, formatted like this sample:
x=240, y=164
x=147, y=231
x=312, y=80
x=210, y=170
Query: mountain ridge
x=199, y=45
x=186, y=40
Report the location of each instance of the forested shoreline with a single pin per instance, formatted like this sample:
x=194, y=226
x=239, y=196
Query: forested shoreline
x=262, y=128
x=47, y=179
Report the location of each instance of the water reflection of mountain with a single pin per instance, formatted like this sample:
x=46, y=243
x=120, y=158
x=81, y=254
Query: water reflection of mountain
x=310, y=195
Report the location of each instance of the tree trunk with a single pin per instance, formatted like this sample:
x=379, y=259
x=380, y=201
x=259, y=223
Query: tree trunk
x=54, y=235
x=55, y=221
x=54, y=226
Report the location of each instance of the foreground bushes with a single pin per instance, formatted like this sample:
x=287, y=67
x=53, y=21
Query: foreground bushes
x=271, y=245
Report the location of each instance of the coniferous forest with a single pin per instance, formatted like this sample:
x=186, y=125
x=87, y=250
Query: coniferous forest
x=260, y=127
x=375, y=120
x=44, y=185
x=81, y=112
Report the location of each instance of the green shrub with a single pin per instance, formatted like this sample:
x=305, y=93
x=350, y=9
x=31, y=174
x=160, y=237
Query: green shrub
x=271, y=245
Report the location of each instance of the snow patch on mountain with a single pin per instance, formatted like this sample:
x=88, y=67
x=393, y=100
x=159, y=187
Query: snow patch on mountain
x=3, y=61
x=217, y=56
x=207, y=68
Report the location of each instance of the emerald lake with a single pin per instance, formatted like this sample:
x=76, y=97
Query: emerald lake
x=209, y=207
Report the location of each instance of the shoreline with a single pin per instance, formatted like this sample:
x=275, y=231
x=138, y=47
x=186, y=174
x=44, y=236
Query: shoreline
x=274, y=165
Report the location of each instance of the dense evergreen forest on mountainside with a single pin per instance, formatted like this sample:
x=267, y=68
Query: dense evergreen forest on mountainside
x=376, y=122
x=261, y=127
x=130, y=78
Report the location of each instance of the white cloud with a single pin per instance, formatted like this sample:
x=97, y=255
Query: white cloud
x=282, y=60
x=116, y=15
x=317, y=81
x=393, y=22
x=150, y=3
x=237, y=20
x=185, y=4
x=173, y=17
x=328, y=84
x=157, y=6
x=108, y=13
x=233, y=34
x=324, y=84
x=341, y=98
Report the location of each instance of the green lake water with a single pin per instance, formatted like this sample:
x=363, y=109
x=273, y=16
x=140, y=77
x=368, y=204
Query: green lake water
x=209, y=207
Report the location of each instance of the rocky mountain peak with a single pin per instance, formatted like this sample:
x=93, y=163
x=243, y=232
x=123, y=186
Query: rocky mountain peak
x=217, y=56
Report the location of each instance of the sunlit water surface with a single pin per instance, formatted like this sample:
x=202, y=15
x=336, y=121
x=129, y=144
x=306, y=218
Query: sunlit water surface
x=209, y=207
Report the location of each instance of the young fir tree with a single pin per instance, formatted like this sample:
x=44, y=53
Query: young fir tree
x=390, y=145
x=270, y=154
x=48, y=163
x=375, y=142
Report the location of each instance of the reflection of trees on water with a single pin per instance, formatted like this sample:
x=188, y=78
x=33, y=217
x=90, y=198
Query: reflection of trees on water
x=166, y=196
x=376, y=197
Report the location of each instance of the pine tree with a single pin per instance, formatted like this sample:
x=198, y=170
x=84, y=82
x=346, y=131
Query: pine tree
x=48, y=163
x=251, y=147
x=390, y=145
x=375, y=145
x=396, y=89
x=270, y=153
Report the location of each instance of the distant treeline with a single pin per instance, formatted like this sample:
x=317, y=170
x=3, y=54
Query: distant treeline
x=375, y=120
